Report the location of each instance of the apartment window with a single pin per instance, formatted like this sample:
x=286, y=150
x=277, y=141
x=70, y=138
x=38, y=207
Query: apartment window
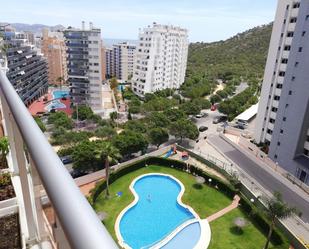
x=307, y=17
x=287, y=7
x=279, y=86
x=296, y=64
x=284, y=21
x=278, y=143
x=293, y=78
x=281, y=131
x=290, y=92
x=300, y=49
x=276, y=156
x=269, y=131
x=286, y=105
x=284, y=119
x=293, y=20
x=279, y=48
x=296, y=5
x=290, y=34
x=272, y=121
x=284, y=61
x=282, y=73
x=287, y=48
x=277, y=97
x=274, y=109
x=303, y=33
x=281, y=35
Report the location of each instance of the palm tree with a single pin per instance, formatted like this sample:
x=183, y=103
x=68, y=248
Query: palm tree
x=276, y=209
x=60, y=80
x=107, y=153
x=4, y=148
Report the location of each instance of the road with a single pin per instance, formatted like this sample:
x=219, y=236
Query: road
x=263, y=177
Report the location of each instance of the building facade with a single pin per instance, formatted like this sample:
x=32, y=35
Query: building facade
x=54, y=49
x=161, y=59
x=120, y=61
x=84, y=63
x=283, y=114
x=27, y=68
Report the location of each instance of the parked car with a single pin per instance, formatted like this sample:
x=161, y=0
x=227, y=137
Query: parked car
x=66, y=159
x=199, y=115
x=219, y=119
x=203, y=128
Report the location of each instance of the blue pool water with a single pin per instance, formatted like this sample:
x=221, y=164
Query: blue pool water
x=55, y=104
x=187, y=238
x=121, y=87
x=156, y=214
x=60, y=93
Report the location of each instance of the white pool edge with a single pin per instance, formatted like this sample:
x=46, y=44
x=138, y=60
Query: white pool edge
x=205, y=228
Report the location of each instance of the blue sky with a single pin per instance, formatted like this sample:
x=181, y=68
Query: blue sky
x=207, y=20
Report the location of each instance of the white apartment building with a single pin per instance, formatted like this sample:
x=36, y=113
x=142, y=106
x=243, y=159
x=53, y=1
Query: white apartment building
x=161, y=59
x=120, y=61
x=85, y=65
x=283, y=114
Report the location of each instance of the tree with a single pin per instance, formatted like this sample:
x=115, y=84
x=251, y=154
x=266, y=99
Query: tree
x=4, y=148
x=158, y=119
x=113, y=83
x=174, y=114
x=113, y=116
x=60, y=80
x=105, y=132
x=276, y=209
x=184, y=128
x=84, y=112
x=135, y=125
x=158, y=136
x=129, y=142
x=190, y=108
x=60, y=119
x=84, y=158
x=107, y=153
x=40, y=123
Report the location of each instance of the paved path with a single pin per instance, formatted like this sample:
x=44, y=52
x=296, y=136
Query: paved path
x=268, y=179
x=225, y=210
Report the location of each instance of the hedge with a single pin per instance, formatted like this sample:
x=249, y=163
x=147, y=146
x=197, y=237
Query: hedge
x=259, y=220
x=228, y=189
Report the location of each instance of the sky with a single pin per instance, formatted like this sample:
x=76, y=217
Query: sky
x=206, y=20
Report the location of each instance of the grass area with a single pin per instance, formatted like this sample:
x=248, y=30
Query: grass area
x=205, y=200
x=224, y=235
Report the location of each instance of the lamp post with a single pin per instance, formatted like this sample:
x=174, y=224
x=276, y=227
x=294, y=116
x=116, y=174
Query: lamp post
x=146, y=160
x=209, y=180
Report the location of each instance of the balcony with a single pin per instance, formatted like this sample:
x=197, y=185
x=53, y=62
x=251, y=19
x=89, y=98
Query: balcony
x=52, y=211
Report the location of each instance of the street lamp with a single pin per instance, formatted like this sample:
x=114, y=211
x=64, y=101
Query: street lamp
x=146, y=160
x=209, y=180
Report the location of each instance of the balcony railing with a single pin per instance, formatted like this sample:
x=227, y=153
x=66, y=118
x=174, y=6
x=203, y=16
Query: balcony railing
x=44, y=170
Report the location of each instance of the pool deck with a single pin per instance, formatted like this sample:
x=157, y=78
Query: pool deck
x=39, y=105
x=205, y=228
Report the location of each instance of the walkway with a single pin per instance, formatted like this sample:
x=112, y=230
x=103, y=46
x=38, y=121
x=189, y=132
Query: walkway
x=222, y=212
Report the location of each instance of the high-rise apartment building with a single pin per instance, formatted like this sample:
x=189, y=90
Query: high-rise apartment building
x=120, y=61
x=84, y=63
x=54, y=49
x=27, y=69
x=283, y=115
x=161, y=59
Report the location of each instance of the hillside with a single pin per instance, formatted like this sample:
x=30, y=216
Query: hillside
x=35, y=28
x=242, y=55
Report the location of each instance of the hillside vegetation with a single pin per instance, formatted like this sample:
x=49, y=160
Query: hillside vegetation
x=242, y=55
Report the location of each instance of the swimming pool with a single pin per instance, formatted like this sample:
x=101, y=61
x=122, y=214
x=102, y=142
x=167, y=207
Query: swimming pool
x=55, y=104
x=156, y=212
x=60, y=94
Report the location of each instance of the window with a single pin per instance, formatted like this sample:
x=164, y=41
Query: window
x=284, y=119
x=307, y=17
x=284, y=61
x=277, y=97
x=303, y=33
x=296, y=5
x=290, y=92
x=290, y=34
x=271, y=120
x=296, y=63
x=284, y=21
x=279, y=86
x=278, y=143
x=279, y=48
x=281, y=131
x=282, y=73
x=300, y=49
x=287, y=7
x=293, y=20
x=276, y=156
x=286, y=105
x=269, y=131
x=293, y=78
x=274, y=109
x=287, y=48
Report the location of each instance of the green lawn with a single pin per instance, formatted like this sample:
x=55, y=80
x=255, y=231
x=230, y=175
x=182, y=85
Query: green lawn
x=223, y=234
x=205, y=201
